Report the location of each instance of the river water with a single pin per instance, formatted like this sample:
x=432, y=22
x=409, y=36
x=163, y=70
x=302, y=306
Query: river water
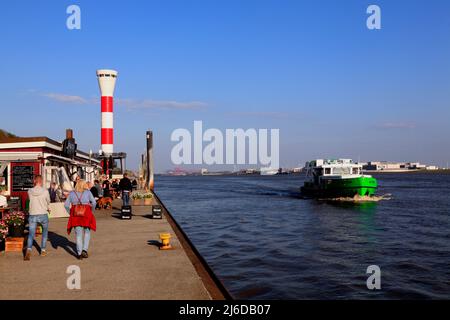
x=265, y=242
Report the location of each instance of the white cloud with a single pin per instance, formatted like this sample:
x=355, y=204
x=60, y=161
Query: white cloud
x=160, y=104
x=130, y=104
x=397, y=125
x=65, y=98
x=264, y=114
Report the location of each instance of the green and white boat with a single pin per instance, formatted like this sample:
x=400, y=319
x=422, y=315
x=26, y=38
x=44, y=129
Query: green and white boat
x=337, y=178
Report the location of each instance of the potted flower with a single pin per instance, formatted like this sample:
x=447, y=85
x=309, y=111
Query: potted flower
x=147, y=199
x=16, y=223
x=3, y=233
x=138, y=199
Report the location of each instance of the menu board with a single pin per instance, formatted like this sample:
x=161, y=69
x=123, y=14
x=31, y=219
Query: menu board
x=22, y=178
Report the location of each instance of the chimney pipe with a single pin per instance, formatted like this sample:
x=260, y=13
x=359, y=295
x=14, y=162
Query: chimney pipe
x=69, y=134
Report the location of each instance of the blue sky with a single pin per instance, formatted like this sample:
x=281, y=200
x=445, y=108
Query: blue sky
x=310, y=68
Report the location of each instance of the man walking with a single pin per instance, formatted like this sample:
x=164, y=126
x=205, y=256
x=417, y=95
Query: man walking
x=126, y=186
x=39, y=201
x=53, y=191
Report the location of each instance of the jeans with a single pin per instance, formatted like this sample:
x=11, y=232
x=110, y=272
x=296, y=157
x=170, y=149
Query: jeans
x=33, y=220
x=126, y=198
x=82, y=245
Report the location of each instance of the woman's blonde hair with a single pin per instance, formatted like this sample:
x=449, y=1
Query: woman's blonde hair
x=81, y=186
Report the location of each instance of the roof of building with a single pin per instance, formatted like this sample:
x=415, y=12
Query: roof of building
x=45, y=140
x=10, y=139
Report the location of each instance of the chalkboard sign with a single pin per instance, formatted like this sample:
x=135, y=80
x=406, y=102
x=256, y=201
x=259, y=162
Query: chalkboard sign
x=15, y=203
x=22, y=178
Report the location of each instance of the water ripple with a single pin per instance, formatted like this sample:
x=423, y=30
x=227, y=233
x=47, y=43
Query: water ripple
x=265, y=242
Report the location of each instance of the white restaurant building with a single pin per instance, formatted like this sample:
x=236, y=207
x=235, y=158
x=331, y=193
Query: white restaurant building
x=21, y=159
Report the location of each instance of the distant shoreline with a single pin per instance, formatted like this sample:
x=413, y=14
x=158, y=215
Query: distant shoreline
x=439, y=171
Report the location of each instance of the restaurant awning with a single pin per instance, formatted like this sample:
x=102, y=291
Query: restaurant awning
x=93, y=163
x=20, y=156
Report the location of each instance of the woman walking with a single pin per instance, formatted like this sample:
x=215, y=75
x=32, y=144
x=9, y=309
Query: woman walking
x=81, y=205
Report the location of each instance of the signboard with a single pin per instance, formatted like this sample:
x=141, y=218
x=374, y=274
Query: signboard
x=57, y=210
x=69, y=148
x=22, y=178
x=14, y=202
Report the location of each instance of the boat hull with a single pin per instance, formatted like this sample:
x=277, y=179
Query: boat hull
x=336, y=188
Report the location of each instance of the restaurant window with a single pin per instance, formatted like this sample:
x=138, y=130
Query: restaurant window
x=81, y=173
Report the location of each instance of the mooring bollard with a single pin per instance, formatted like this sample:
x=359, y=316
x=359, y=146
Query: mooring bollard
x=165, y=238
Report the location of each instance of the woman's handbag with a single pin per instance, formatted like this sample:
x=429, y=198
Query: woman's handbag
x=79, y=210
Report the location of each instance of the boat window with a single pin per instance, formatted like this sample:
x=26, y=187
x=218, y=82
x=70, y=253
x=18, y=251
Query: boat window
x=318, y=171
x=355, y=171
x=341, y=170
x=327, y=170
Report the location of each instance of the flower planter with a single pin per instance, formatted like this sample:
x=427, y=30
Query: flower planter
x=4, y=230
x=14, y=244
x=15, y=221
x=142, y=199
x=16, y=231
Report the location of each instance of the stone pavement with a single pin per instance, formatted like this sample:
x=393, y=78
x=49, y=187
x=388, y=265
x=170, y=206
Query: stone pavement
x=124, y=263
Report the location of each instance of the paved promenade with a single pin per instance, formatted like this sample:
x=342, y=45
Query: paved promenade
x=124, y=263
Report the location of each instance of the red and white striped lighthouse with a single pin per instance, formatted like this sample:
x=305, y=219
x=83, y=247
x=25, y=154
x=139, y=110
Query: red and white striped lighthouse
x=107, y=83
